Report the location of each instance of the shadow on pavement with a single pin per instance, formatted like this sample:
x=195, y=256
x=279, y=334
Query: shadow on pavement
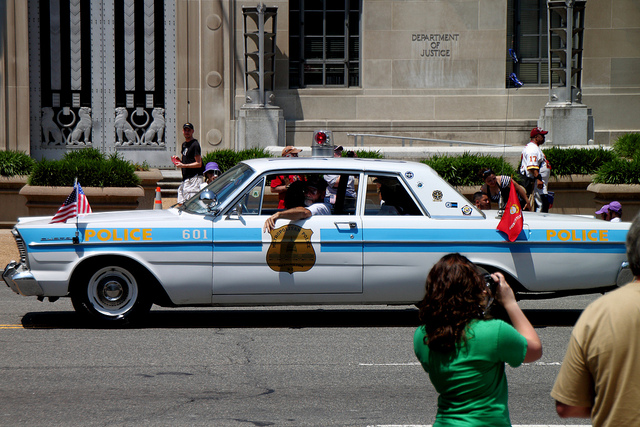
x=276, y=318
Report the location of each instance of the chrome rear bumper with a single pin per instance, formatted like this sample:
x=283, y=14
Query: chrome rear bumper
x=20, y=280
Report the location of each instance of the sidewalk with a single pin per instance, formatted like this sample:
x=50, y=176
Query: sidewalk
x=8, y=249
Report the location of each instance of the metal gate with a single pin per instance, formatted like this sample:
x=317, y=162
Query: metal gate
x=102, y=74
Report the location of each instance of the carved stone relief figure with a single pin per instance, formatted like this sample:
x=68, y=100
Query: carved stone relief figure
x=82, y=129
x=124, y=131
x=155, y=129
x=132, y=132
x=50, y=128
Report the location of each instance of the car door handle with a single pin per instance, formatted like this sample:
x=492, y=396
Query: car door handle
x=346, y=225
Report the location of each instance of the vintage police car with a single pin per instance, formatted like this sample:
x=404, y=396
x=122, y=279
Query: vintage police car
x=213, y=251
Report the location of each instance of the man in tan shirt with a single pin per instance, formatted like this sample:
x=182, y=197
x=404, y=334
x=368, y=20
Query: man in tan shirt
x=600, y=374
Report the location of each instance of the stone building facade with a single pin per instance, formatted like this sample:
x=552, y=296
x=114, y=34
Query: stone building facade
x=137, y=69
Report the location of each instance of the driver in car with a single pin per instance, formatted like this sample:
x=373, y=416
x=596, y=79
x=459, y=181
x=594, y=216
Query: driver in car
x=314, y=205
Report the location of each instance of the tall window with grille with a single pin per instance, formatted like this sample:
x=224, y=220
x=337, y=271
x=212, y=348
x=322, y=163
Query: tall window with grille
x=527, y=36
x=324, y=43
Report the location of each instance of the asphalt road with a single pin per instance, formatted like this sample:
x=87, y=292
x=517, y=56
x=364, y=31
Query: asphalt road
x=331, y=366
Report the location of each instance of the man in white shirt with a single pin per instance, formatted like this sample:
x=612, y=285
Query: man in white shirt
x=314, y=205
x=535, y=166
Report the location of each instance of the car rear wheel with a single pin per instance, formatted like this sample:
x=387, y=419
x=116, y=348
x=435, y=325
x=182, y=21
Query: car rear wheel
x=112, y=294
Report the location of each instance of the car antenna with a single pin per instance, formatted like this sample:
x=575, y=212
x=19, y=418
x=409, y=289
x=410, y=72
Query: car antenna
x=76, y=238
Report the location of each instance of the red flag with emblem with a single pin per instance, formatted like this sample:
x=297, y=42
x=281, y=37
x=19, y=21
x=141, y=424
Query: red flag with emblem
x=511, y=222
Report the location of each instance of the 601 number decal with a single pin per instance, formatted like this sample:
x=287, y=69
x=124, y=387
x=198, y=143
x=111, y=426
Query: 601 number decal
x=194, y=234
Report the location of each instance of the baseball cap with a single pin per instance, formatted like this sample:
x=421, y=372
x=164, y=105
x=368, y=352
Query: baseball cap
x=538, y=131
x=615, y=206
x=604, y=209
x=187, y=125
x=211, y=166
x=338, y=148
x=290, y=149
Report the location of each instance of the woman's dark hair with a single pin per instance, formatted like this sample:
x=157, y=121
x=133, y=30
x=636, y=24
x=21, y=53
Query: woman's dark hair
x=294, y=197
x=454, y=296
x=485, y=173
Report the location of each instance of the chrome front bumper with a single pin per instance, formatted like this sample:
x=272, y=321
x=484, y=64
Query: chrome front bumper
x=624, y=274
x=20, y=280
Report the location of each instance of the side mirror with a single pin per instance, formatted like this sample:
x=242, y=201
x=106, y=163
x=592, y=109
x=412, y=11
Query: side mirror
x=237, y=211
x=209, y=199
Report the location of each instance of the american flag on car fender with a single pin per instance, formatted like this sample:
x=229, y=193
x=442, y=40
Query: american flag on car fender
x=76, y=204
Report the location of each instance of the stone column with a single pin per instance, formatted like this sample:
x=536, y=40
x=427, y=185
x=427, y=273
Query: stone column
x=14, y=67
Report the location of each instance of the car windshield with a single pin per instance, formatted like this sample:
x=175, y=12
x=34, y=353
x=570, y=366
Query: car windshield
x=223, y=187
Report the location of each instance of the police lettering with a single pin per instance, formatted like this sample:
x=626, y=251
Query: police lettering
x=578, y=235
x=118, y=235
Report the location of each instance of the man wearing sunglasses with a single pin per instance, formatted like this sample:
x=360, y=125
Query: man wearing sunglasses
x=314, y=205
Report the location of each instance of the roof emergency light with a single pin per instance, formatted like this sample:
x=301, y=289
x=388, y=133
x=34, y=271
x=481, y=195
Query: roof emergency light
x=322, y=145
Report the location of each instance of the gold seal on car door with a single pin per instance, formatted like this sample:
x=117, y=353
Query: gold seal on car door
x=291, y=249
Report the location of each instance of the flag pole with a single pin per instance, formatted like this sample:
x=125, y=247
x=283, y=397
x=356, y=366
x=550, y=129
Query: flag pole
x=76, y=238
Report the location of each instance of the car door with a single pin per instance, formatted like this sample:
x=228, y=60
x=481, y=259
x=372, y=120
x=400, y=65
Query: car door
x=395, y=263
x=318, y=255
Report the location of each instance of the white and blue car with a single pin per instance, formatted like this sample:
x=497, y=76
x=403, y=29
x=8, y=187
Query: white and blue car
x=375, y=248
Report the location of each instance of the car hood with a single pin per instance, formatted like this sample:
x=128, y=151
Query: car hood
x=134, y=216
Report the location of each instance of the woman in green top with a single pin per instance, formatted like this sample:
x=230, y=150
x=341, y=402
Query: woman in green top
x=463, y=350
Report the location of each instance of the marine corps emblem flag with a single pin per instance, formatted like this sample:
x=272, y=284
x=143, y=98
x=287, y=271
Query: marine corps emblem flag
x=511, y=222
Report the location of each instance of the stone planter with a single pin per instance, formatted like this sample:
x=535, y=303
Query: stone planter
x=43, y=201
x=13, y=204
x=627, y=194
x=36, y=201
x=571, y=195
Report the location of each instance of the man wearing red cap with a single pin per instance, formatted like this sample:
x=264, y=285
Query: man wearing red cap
x=535, y=167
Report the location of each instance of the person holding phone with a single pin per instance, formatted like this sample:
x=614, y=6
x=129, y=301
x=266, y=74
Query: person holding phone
x=464, y=349
x=190, y=163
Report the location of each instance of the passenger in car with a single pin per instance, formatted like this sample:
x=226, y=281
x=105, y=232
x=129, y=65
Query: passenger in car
x=314, y=205
x=481, y=200
x=388, y=201
x=280, y=184
x=295, y=195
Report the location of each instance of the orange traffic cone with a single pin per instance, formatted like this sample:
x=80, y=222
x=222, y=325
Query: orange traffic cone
x=158, y=202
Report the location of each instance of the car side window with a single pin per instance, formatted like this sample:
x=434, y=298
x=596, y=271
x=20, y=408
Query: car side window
x=342, y=192
x=387, y=196
x=289, y=190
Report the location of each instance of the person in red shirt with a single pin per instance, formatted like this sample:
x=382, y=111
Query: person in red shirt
x=280, y=184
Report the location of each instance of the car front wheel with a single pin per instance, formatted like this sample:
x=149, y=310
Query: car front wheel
x=112, y=294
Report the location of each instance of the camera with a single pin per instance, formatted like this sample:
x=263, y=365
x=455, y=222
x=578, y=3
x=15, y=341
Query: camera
x=491, y=284
x=493, y=311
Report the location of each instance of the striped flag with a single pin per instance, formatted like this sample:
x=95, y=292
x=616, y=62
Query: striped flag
x=76, y=204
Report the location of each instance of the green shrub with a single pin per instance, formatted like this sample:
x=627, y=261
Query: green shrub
x=14, y=163
x=141, y=167
x=228, y=158
x=85, y=154
x=619, y=171
x=463, y=170
x=627, y=145
x=567, y=161
x=366, y=154
x=90, y=166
